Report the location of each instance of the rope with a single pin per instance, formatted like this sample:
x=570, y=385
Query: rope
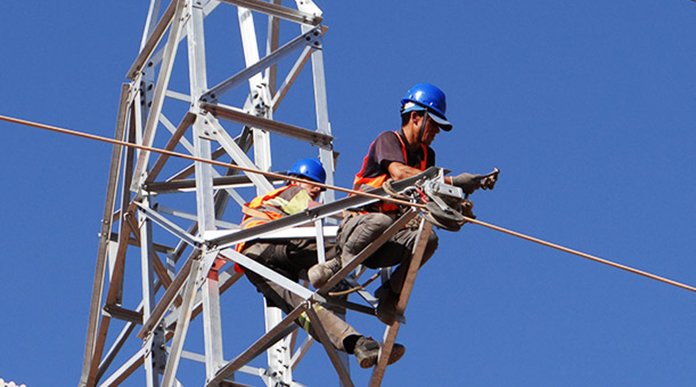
x=345, y=190
x=357, y=288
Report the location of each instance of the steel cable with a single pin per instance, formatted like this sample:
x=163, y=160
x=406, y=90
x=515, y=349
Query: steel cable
x=345, y=190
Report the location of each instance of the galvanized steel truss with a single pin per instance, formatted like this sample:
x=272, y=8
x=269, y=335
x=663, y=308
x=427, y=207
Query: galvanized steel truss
x=177, y=241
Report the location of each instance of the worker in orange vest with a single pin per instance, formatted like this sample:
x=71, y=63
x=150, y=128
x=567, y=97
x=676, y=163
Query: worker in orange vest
x=292, y=258
x=394, y=155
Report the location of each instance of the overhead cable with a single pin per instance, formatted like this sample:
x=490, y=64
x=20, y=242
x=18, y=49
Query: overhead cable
x=345, y=190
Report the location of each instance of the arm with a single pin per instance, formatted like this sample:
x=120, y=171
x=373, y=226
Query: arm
x=400, y=171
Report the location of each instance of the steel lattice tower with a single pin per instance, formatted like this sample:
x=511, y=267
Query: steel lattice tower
x=173, y=216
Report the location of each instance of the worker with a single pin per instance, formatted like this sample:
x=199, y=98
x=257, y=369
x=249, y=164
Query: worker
x=291, y=258
x=394, y=155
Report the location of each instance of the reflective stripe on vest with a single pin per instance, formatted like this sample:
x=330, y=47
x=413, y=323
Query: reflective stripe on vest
x=377, y=181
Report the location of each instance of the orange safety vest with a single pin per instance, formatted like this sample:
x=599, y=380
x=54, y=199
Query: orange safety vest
x=377, y=181
x=250, y=221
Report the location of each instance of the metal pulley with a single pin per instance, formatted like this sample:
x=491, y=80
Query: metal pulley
x=443, y=205
x=446, y=206
x=447, y=218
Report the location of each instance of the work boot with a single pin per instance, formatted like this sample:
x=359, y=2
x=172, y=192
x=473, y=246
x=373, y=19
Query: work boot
x=367, y=352
x=320, y=273
x=386, y=308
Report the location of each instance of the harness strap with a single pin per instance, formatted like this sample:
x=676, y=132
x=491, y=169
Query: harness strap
x=255, y=213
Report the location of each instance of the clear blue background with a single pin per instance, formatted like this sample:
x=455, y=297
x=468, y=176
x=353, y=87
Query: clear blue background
x=586, y=107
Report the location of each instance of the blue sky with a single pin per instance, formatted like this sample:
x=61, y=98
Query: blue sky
x=587, y=108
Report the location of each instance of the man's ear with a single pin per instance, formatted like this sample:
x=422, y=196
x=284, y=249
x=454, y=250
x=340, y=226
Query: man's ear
x=416, y=118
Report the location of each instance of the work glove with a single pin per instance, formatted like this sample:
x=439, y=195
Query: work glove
x=489, y=182
x=467, y=182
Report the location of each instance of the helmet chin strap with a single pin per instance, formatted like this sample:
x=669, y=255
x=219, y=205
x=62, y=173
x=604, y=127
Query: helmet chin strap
x=422, y=128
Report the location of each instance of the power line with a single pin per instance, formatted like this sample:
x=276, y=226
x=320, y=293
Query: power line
x=583, y=255
x=346, y=190
x=198, y=159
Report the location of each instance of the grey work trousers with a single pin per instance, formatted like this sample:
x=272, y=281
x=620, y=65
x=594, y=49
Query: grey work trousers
x=291, y=259
x=357, y=231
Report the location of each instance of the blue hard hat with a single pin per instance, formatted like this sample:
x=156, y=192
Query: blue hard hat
x=426, y=96
x=309, y=168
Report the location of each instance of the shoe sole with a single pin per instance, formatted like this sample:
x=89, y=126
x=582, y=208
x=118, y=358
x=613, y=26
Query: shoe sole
x=368, y=362
x=397, y=353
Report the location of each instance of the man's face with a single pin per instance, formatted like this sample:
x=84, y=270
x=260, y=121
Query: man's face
x=312, y=189
x=431, y=130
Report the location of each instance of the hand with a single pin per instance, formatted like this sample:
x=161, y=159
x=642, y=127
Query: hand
x=467, y=182
x=490, y=179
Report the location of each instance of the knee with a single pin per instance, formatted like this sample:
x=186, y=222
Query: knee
x=369, y=226
x=377, y=221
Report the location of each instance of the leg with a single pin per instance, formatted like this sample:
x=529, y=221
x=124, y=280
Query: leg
x=407, y=239
x=303, y=254
x=337, y=329
x=356, y=232
x=290, y=259
x=398, y=250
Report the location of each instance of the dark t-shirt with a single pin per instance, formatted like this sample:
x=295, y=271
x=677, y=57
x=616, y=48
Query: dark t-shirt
x=387, y=148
